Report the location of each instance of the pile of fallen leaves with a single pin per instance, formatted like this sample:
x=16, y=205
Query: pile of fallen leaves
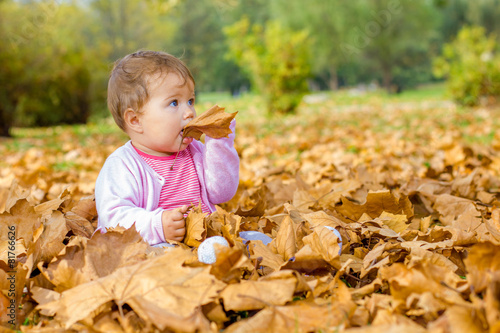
x=412, y=191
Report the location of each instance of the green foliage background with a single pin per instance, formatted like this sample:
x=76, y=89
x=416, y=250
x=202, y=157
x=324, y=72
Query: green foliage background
x=472, y=63
x=55, y=55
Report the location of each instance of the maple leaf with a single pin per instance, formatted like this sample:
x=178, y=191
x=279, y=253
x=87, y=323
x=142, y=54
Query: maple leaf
x=324, y=242
x=85, y=260
x=214, y=122
x=196, y=230
x=267, y=257
x=177, y=291
x=276, y=288
x=304, y=317
x=376, y=203
x=284, y=243
x=483, y=263
x=230, y=264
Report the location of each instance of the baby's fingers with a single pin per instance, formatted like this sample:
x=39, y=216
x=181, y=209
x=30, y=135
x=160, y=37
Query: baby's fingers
x=184, y=209
x=180, y=232
x=177, y=215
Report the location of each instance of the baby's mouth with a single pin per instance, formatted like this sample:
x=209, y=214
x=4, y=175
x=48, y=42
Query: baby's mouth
x=186, y=140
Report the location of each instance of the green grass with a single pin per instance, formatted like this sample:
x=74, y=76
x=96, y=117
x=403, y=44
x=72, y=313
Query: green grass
x=344, y=96
x=252, y=112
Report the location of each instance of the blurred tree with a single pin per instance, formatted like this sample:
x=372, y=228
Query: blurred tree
x=396, y=39
x=21, y=75
x=115, y=28
x=198, y=39
x=276, y=58
x=57, y=66
x=453, y=17
x=455, y=14
x=329, y=23
x=485, y=13
x=12, y=78
x=128, y=25
x=56, y=55
x=257, y=11
x=472, y=65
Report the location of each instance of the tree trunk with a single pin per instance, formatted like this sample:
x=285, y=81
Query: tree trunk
x=5, y=122
x=333, y=83
x=386, y=78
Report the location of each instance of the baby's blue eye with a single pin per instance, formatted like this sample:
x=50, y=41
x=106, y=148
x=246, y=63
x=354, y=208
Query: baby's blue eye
x=174, y=103
x=191, y=101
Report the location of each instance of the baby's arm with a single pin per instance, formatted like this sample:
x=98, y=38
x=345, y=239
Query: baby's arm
x=120, y=203
x=221, y=167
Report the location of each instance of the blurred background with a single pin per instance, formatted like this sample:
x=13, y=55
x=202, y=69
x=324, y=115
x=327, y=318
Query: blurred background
x=56, y=55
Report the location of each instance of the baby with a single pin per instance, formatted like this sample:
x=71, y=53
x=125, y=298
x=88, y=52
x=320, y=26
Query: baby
x=151, y=96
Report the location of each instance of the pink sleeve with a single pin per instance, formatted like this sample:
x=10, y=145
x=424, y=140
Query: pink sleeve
x=221, y=167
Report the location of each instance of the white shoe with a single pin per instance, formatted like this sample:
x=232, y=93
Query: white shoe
x=206, y=251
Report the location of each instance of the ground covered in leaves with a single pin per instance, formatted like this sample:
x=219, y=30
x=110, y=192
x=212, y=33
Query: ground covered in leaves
x=412, y=188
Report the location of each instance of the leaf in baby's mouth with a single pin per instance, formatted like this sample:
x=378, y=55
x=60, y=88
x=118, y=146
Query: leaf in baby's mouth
x=214, y=122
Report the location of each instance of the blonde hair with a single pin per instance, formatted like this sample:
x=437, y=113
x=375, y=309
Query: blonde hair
x=130, y=78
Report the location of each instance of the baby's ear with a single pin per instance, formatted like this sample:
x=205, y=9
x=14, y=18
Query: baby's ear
x=132, y=120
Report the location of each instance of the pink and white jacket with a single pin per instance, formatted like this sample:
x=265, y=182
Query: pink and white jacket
x=128, y=190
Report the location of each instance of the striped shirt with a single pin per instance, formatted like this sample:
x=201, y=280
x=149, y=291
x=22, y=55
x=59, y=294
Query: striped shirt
x=182, y=186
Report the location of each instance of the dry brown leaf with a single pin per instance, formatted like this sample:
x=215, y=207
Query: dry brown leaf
x=417, y=255
x=438, y=281
x=324, y=242
x=464, y=320
x=79, y=225
x=46, y=208
x=264, y=254
x=252, y=295
x=285, y=243
x=164, y=319
x=389, y=328
x=321, y=218
x=24, y=218
x=482, y=262
x=85, y=207
x=15, y=194
x=303, y=317
x=376, y=203
x=178, y=290
x=195, y=227
x=214, y=122
x=229, y=224
x=493, y=225
x=393, y=221
x=230, y=264
x=308, y=261
x=51, y=240
x=86, y=260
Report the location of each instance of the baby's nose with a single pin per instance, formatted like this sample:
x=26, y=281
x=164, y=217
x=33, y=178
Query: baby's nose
x=189, y=113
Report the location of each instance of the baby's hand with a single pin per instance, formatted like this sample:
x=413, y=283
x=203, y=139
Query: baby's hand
x=174, y=226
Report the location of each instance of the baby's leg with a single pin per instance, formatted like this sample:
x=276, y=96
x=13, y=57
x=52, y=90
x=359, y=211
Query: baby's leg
x=206, y=251
x=255, y=235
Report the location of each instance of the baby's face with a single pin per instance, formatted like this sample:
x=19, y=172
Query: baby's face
x=169, y=109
